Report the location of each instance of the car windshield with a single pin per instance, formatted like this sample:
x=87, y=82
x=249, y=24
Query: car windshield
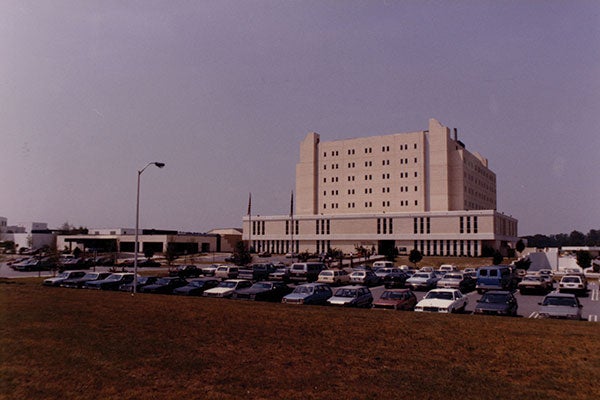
x=571, y=279
x=345, y=293
x=163, y=281
x=531, y=278
x=197, y=283
x=392, y=295
x=559, y=301
x=439, y=295
x=262, y=285
x=494, y=298
x=227, y=284
x=304, y=289
x=453, y=276
x=114, y=278
x=298, y=267
x=92, y=275
x=63, y=275
x=359, y=273
x=327, y=273
x=421, y=275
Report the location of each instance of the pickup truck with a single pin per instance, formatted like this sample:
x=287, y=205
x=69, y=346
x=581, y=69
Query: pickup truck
x=257, y=272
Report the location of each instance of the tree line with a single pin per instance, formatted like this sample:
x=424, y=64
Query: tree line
x=575, y=238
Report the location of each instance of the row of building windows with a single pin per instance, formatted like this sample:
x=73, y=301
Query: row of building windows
x=258, y=227
x=369, y=204
x=369, y=177
x=421, y=225
x=385, y=226
x=369, y=150
x=467, y=228
x=296, y=227
x=322, y=226
x=462, y=248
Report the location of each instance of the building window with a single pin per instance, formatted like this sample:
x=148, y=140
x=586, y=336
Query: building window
x=390, y=224
x=297, y=227
x=475, y=227
x=462, y=225
x=415, y=226
x=287, y=227
x=378, y=226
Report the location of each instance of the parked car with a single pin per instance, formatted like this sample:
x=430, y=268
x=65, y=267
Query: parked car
x=383, y=271
x=306, y=271
x=448, y=268
x=533, y=284
x=334, y=277
x=397, y=299
x=395, y=279
x=226, y=272
x=560, y=305
x=209, y=270
x=256, y=272
x=382, y=264
x=351, y=296
x=457, y=280
x=443, y=301
x=79, y=282
x=264, y=254
x=164, y=285
x=422, y=281
x=309, y=293
x=280, y=274
x=63, y=276
x=185, y=271
x=497, y=302
x=196, y=287
x=364, y=277
x=141, y=282
x=34, y=264
x=263, y=291
x=573, y=283
x=112, y=282
x=227, y=287
x=71, y=263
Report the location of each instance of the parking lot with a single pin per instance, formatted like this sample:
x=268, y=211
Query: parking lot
x=528, y=304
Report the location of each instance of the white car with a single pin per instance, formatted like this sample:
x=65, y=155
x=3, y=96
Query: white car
x=573, y=283
x=443, y=301
x=226, y=272
x=334, y=277
x=227, y=287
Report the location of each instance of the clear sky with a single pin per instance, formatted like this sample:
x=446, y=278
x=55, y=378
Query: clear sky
x=224, y=91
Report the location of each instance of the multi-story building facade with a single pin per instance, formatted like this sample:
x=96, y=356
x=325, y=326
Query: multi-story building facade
x=420, y=190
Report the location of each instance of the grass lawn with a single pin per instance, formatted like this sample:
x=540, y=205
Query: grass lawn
x=79, y=344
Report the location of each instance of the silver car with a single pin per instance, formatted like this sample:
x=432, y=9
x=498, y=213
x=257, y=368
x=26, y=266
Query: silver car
x=560, y=305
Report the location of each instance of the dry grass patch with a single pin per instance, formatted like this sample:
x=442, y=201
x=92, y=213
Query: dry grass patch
x=76, y=344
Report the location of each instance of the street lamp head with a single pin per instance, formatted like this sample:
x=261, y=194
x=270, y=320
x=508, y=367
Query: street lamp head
x=159, y=164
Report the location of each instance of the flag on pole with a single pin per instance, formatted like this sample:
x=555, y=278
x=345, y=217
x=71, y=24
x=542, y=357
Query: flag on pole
x=250, y=204
x=292, y=205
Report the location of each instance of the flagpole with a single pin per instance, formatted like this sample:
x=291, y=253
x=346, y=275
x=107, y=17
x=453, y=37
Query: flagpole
x=292, y=223
x=249, y=221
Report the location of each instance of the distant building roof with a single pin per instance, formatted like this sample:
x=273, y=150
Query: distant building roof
x=227, y=231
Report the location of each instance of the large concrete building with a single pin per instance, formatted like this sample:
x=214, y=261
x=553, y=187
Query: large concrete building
x=420, y=190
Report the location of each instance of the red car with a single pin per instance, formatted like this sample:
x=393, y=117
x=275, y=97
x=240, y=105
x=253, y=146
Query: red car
x=397, y=299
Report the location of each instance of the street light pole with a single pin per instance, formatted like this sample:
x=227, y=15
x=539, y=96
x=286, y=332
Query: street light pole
x=137, y=223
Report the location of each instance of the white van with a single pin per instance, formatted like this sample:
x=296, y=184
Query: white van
x=383, y=264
